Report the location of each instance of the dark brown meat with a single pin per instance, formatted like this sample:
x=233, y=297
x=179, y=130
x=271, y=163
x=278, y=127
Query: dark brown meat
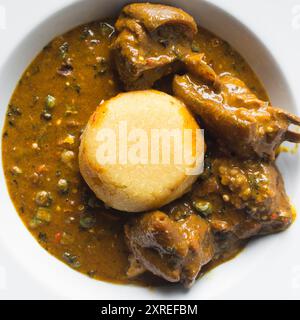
x=247, y=197
x=247, y=126
x=232, y=201
x=151, y=41
x=154, y=16
x=241, y=193
x=173, y=250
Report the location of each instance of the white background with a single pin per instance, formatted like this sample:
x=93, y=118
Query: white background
x=266, y=17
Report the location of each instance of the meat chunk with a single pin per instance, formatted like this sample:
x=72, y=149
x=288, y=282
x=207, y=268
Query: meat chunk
x=241, y=122
x=154, y=16
x=233, y=201
x=151, y=41
x=195, y=64
x=248, y=197
x=135, y=268
x=172, y=249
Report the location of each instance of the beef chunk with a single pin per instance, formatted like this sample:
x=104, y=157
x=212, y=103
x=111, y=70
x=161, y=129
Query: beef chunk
x=151, y=41
x=241, y=122
x=248, y=197
x=154, y=16
x=232, y=201
x=172, y=249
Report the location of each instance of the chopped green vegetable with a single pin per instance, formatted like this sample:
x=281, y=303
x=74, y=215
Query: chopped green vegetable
x=63, y=185
x=71, y=259
x=87, y=220
x=67, y=157
x=64, y=49
x=254, y=182
x=203, y=207
x=195, y=46
x=106, y=29
x=94, y=202
x=50, y=102
x=70, y=110
x=43, y=214
x=35, y=223
x=43, y=198
x=42, y=217
x=181, y=211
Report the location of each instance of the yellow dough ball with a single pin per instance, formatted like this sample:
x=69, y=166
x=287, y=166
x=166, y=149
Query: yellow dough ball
x=124, y=150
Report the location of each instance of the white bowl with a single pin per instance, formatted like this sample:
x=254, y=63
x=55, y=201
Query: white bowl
x=264, y=264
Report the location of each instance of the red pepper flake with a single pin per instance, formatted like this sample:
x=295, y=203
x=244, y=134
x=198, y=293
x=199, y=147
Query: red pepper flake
x=274, y=216
x=57, y=237
x=150, y=62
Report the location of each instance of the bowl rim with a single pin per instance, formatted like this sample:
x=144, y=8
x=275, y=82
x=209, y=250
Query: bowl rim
x=74, y=279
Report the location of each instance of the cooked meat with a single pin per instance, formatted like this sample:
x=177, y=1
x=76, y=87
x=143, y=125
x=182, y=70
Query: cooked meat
x=233, y=201
x=247, y=197
x=196, y=65
x=172, y=249
x=151, y=41
x=243, y=194
x=154, y=16
x=135, y=268
x=91, y=201
x=247, y=126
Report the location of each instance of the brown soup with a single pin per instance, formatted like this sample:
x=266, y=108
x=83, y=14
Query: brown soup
x=46, y=115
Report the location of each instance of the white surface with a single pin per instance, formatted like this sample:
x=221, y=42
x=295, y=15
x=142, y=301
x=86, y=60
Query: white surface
x=268, y=268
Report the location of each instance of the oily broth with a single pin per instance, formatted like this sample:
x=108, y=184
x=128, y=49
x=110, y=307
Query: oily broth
x=33, y=145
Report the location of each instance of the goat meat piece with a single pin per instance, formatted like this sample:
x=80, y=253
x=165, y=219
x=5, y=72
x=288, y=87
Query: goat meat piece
x=151, y=40
x=173, y=250
x=241, y=122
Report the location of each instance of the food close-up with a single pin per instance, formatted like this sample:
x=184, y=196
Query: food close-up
x=151, y=225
